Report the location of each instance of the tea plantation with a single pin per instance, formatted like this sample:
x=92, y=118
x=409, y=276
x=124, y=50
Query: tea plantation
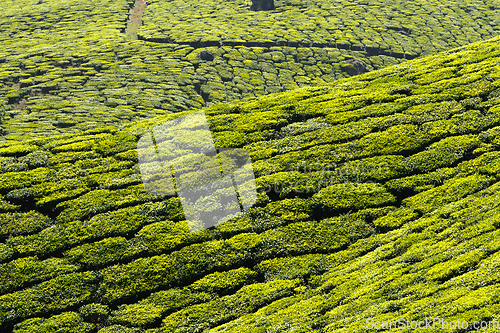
x=373, y=129
x=378, y=199
x=67, y=66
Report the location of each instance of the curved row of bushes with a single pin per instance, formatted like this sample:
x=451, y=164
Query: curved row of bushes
x=376, y=194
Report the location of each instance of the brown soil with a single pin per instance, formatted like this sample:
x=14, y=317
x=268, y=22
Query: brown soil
x=135, y=19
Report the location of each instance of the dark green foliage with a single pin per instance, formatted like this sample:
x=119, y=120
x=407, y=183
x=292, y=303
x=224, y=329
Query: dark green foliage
x=150, y=309
x=353, y=196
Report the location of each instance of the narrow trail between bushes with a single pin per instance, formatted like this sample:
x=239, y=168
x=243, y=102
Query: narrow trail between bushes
x=135, y=19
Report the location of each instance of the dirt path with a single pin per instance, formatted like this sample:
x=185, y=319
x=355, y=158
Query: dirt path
x=135, y=19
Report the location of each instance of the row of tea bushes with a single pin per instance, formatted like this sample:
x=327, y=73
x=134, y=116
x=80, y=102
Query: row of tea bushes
x=152, y=308
x=63, y=235
x=52, y=62
x=53, y=295
x=65, y=19
x=70, y=322
x=408, y=205
x=21, y=272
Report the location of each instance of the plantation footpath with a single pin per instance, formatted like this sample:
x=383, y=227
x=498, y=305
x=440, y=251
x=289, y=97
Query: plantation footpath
x=378, y=199
x=69, y=66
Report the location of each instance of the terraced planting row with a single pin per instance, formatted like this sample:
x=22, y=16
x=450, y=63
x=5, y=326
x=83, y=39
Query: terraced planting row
x=377, y=199
x=67, y=67
x=137, y=81
x=402, y=28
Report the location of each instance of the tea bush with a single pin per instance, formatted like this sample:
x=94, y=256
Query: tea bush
x=14, y=224
x=151, y=309
x=57, y=294
x=64, y=322
x=23, y=271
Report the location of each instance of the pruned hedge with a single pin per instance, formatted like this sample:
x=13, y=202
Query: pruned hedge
x=69, y=322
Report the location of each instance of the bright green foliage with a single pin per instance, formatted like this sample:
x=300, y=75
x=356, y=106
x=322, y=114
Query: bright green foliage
x=421, y=182
x=94, y=313
x=291, y=209
x=446, y=270
x=146, y=274
x=224, y=281
x=17, y=150
x=294, y=267
x=6, y=206
x=119, y=329
x=443, y=153
x=67, y=322
x=20, y=272
x=151, y=308
x=124, y=221
x=140, y=314
x=103, y=252
x=5, y=252
x=16, y=180
x=99, y=201
x=163, y=236
x=68, y=67
x=355, y=25
x=450, y=191
x=323, y=236
x=353, y=196
x=13, y=224
x=396, y=218
x=247, y=299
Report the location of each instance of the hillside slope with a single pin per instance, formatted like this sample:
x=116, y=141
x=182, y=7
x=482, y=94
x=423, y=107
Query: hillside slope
x=68, y=66
x=378, y=199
